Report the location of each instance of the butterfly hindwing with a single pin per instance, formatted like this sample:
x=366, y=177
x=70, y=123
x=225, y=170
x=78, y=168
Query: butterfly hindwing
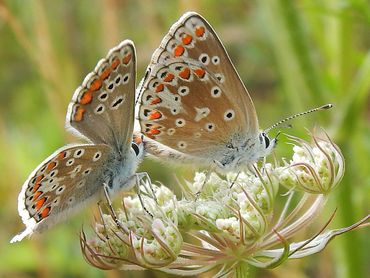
x=61, y=184
x=102, y=109
x=192, y=98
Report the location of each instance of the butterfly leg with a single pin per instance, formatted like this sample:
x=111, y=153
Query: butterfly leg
x=119, y=224
x=208, y=174
x=102, y=219
x=143, y=175
x=252, y=169
x=138, y=179
x=113, y=213
x=233, y=182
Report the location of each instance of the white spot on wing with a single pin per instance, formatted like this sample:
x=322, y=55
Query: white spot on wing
x=126, y=78
x=215, y=91
x=175, y=111
x=201, y=113
x=60, y=189
x=53, y=173
x=117, y=102
x=75, y=171
x=78, y=153
x=171, y=131
x=204, y=58
x=81, y=183
x=97, y=156
x=71, y=200
x=215, y=60
x=56, y=201
x=86, y=172
x=99, y=109
x=118, y=80
x=183, y=90
x=103, y=96
x=180, y=122
x=182, y=144
x=220, y=77
x=229, y=115
x=210, y=127
x=70, y=162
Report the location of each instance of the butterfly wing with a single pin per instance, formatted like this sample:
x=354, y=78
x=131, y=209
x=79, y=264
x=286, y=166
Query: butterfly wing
x=192, y=98
x=61, y=184
x=102, y=109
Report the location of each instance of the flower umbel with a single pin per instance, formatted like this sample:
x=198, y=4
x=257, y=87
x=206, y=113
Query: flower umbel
x=233, y=223
x=316, y=168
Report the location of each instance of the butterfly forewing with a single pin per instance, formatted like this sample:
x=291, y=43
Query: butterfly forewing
x=193, y=99
x=57, y=185
x=102, y=109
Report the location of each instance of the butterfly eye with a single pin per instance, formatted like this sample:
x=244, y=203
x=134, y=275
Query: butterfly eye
x=135, y=148
x=266, y=139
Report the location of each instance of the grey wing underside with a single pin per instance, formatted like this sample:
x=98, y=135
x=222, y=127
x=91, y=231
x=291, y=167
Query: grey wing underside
x=61, y=185
x=102, y=108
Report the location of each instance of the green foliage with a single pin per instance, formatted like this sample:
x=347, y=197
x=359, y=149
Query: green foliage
x=292, y=55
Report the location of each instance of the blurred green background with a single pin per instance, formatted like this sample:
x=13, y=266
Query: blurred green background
x=292, y=55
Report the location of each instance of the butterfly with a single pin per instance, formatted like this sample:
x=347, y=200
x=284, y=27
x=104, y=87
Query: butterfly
x=101, y=111
x=194, y=106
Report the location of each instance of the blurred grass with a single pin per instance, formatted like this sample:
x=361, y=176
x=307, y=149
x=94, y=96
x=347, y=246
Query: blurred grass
x=292, y=55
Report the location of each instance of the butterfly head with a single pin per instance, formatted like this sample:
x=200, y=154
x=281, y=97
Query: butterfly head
x=266, y=144
x=123, y=169
x=137, y=145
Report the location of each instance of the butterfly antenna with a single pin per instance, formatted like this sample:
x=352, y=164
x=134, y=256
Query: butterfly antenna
x=324, y=107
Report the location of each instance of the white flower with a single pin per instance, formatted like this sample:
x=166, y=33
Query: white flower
x=232, y=224
x=316, y=168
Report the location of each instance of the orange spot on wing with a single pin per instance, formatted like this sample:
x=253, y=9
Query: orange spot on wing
x=115, y=63
x=187, y=39
x=185, y=74
x=37, y=195
x=40, y=203
x=200, y=72
x=45, y=212
x=104, y=75
x=78, y=116
x=51, y=165
x=156, y=101
x=179, y=50
x=154, y=115
x=61, y=155
x=86, y=97
x=37, y=183
x=159, y=88
x=96, y=85
x=155, y=131
x=169, y=77
x=199, y=31
x=126, y=59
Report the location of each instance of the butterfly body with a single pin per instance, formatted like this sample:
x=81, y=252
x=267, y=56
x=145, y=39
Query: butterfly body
x=121, y=169
x=102, y=112
x=194, y=107
x=241, y=151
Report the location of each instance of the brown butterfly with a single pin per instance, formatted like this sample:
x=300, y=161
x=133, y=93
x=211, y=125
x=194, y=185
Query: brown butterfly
x=194, y=106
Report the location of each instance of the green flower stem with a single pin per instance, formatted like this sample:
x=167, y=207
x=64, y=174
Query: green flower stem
x=242, y=270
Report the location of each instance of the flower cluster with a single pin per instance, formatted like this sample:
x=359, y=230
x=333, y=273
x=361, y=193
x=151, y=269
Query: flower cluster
x=316, y=169
x=233, y=223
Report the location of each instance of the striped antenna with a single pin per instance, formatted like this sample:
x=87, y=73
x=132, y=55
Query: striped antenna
x=324, y=107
